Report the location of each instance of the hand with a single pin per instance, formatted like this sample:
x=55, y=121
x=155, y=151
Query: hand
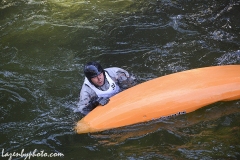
x=103, y=101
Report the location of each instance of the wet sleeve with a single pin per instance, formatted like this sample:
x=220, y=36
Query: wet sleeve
x=86, y=95
x=122, y=77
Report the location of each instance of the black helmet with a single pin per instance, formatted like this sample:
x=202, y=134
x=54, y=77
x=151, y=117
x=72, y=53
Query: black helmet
x=92, y=69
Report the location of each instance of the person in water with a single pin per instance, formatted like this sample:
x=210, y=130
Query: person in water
x=101, y=84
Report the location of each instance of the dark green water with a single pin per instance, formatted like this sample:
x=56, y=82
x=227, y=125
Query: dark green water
x=45, y=43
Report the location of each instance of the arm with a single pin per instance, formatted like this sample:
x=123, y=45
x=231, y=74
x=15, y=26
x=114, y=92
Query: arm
x=86, y=94
x=89, y=100
x=121, y=77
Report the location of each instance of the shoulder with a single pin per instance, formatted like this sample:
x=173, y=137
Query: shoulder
x=115, y=70
x=86, y=91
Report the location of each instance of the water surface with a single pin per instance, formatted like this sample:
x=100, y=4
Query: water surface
x=45, y=43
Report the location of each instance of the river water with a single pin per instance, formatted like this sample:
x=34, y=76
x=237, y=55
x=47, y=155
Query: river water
x=45, y=43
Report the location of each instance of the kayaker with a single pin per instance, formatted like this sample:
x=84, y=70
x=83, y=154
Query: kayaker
x=101, y=84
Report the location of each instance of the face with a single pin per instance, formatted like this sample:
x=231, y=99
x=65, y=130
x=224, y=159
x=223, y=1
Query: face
x=98, y=80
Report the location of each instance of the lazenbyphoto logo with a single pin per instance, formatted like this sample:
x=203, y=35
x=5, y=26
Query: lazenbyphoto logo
x=35, y=153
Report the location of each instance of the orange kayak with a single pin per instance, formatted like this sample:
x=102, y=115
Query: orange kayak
x=173, y=94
